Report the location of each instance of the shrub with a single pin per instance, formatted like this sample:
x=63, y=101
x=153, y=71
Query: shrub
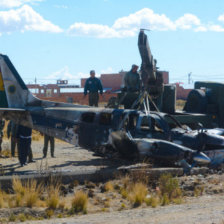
x=169, y=186
x=22, y=217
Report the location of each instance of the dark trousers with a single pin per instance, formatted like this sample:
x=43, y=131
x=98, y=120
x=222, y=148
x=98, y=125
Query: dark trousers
x=93, y=99
x=24, y=146
x=47, y=139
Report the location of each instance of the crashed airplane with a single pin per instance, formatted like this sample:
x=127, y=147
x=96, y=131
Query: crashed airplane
x=85, y=126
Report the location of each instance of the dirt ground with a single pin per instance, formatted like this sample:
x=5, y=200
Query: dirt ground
x=204, y=210
x=68, y=158
x=207, y=207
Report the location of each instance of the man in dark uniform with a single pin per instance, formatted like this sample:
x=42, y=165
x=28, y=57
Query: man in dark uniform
x=24, y=143
x=132, y=80
x=12, y=129
x=132, y=86
x=2, y=124
x=93, y=86
x=47, y=139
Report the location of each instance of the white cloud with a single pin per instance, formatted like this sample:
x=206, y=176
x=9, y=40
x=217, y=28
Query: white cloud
x=201, y=29
x=129, y=26
x=221, y=18
x=25, y=19
x=144, y=18
x=215, y=28
x=92, y=30
x=187, y=21
x=15, y=3
x=65, y=74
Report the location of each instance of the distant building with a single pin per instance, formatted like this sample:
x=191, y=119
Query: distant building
x=115, y=81
x=64, y=92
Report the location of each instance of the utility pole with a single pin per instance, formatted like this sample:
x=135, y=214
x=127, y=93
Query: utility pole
x=189, y=77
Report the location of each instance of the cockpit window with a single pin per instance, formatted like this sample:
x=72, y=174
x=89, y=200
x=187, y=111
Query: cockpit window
x=156, y=126
x=130, y=121
x=105, y=118
x=145, y=124
x=88, y=117
x=150, y=124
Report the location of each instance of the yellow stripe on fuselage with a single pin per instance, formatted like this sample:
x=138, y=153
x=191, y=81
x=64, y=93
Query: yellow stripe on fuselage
x=1, y=83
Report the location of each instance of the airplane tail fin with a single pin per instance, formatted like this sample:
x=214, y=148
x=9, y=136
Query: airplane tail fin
x=13, y=91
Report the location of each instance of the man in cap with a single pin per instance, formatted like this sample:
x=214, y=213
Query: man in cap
x=93, y=86
x=132, y=85
x=132, y=80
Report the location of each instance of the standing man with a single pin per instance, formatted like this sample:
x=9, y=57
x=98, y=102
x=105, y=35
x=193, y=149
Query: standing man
x=24, y=143
x=132, y=86
x=2, y=124
x=93, y=86
x=132, y=80
x=47, y=139
x=12, y=129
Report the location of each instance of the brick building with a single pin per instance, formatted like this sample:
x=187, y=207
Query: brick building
x=115, y=81
x=64, y=92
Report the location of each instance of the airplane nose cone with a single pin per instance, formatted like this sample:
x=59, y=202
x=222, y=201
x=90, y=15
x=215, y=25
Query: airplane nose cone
x=201, y=158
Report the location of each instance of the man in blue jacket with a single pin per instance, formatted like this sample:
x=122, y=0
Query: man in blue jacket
x=93, y=86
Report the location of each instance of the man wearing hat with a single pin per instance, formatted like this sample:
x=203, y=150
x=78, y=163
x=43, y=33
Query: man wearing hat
x=93, y=86
x=132, y=80
x=132, y=85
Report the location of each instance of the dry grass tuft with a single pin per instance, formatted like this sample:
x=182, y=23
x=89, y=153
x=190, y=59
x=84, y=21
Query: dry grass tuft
x=32, y=193
x=109, y=186
x=26, y=194
x=198, y=190
x=2, y=198
x=17, y=186
x=79, y=202
x=53, y=196
x=138, y=194
x=6, y=153
x=153, y=201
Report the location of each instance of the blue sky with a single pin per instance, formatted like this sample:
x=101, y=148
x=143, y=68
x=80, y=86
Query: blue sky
x=65, y=39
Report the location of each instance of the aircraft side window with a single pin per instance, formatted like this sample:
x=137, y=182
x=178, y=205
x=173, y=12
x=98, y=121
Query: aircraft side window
x=105, y=119
x=88, y=117
x=156, y=126
x=145, y=124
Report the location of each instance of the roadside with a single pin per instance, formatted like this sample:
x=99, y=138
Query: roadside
x=204, y=210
